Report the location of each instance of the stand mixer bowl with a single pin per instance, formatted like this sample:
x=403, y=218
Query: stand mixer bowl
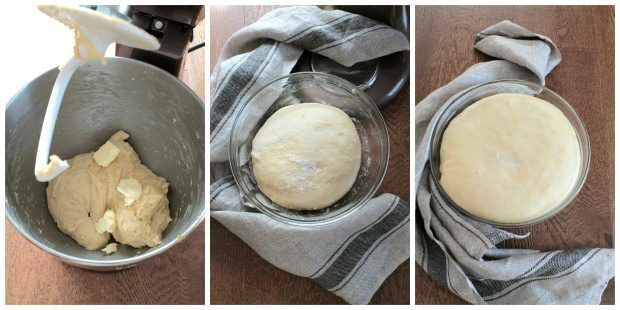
x=165, y=121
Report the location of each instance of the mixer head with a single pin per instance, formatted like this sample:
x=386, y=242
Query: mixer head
x=172, y=25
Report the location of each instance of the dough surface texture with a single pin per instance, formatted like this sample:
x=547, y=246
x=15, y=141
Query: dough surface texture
x=509, y=158
x=79, y=197
x=306, y=156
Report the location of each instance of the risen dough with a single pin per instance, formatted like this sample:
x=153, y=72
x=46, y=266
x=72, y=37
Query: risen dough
x=306, y=156
x=509, y=158
x=78, y=198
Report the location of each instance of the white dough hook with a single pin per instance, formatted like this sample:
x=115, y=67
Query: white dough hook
x=94, y=32
x=43, y=171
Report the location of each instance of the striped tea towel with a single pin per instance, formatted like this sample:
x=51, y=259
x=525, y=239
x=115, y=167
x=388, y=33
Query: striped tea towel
x=350, y=257
x=459, y=252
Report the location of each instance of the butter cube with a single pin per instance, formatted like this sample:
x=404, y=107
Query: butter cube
x=131, y=190
x=110, y=248
x=106, y=154
x=107, y=223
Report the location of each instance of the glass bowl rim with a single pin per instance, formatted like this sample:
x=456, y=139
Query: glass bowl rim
x=578, y=125
x=373, y=110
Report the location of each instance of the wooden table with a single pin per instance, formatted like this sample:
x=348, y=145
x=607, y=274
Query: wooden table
x=175, y=277
x=585, y=77
x=238, y=274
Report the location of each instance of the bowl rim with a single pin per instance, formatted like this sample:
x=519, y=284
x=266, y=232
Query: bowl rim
x=232, y=156
x=117, y=263
x=579, y=126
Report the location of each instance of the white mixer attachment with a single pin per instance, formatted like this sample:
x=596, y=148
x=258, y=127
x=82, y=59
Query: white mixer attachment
x=94, y=32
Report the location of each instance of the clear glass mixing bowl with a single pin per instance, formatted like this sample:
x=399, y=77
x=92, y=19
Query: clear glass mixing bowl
x=305, y=87
x=461, y=101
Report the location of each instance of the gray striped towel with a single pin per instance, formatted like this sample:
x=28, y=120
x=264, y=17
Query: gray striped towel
x=459, y=252
x=352, y=256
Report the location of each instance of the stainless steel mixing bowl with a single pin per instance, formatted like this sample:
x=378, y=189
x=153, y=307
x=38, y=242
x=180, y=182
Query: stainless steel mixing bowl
x=165, y=121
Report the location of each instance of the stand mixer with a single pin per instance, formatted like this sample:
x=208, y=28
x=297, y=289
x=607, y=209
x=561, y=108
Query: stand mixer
x=172, y=26
x=101, y=26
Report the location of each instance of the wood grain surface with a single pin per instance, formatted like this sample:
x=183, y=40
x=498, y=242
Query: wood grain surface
x=238, y=274
x=175, y=277
x=193, y=73
x=585, y=77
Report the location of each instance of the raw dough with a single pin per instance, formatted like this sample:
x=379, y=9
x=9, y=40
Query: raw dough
x=306, y=156
x=78, y=198
x=509, y=158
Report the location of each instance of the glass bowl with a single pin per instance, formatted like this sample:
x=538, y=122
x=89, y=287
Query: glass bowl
x=469, y=96
x=305, y=87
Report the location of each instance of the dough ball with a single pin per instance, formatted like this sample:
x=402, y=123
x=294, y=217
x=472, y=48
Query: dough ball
x=509, y=158
x=306, y=156
x=76, y=201
x=79, y=197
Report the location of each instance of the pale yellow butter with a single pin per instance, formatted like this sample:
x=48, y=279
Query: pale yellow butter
x=106, y=154
x=110, y=248
x=107, y=223
x=131, y=190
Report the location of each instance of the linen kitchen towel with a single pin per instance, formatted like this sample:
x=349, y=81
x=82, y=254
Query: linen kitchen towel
x=352, y=256
x=459, y=252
